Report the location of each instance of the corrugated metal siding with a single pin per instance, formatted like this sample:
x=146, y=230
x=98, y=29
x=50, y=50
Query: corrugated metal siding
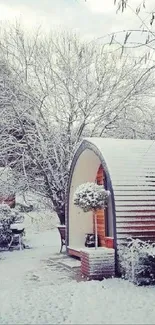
x=131, y=165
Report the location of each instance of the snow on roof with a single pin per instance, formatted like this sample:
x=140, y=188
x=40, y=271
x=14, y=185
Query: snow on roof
x=131, y=166
x=131, y=160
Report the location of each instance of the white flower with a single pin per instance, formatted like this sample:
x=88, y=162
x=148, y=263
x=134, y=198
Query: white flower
x=91, y=196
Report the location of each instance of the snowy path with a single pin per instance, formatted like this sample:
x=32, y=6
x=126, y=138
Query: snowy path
x=34, y=289
x=31, y=291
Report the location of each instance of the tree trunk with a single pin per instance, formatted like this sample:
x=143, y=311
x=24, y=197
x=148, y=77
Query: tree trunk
x=61, y=213
x=61, y=217
x=58, y=202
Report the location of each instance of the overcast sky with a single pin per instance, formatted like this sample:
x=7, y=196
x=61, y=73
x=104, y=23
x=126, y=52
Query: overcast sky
x=93, y=18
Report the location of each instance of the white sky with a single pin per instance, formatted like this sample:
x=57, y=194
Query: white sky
x=93, y=18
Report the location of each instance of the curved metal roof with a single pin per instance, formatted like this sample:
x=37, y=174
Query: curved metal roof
x=131, y=166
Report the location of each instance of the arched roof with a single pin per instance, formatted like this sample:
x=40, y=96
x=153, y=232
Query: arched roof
x=131, y=166
x=128, y=158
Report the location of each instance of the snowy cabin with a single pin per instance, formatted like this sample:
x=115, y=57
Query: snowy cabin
x=127, y=169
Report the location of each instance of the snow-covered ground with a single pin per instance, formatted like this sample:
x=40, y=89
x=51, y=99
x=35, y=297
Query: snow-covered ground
x=36, y=289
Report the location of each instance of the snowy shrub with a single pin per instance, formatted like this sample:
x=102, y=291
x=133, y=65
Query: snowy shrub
x=7, y=181
x=7, y=217
x=137, y=261
x=90, y=196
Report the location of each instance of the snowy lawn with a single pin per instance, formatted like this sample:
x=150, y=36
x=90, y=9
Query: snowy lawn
x=36, y=289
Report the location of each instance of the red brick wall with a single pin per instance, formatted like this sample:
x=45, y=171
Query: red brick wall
x=101, y=214
x=98, y=264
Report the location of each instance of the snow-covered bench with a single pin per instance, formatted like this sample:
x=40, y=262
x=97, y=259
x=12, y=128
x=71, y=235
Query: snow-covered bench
x=17, y=230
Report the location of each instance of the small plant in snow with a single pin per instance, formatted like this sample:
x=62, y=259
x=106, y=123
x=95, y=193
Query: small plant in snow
x=137, y=260
x=7, y=217
x=91, y=196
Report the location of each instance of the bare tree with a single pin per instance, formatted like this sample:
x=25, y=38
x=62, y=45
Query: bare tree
x=55, y=90
x=143, y=37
